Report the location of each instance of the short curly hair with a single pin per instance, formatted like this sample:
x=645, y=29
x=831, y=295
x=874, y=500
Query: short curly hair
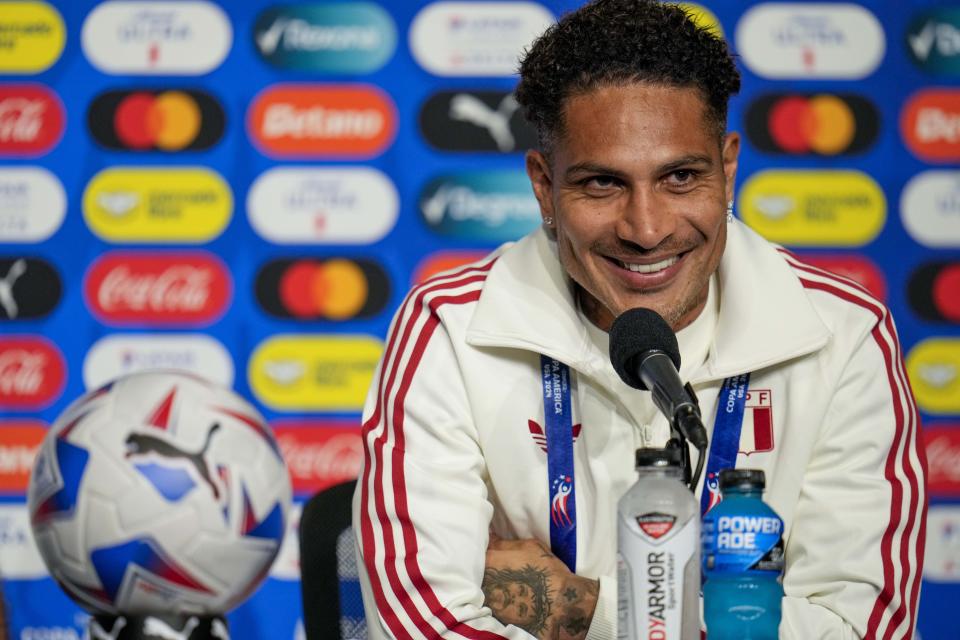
x=611, y=42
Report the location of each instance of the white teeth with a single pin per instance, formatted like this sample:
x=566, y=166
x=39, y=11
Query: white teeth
x=650, y=268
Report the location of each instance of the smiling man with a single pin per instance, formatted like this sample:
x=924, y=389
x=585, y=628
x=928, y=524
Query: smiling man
x=475, y=520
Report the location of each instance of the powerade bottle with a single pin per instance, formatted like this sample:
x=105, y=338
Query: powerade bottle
x=742, y=561
x=658, y=552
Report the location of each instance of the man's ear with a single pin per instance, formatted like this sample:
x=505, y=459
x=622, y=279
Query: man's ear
x=731, y=155
x=538, y=170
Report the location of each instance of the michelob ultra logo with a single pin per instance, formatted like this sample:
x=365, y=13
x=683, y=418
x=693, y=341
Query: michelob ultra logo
x=810, y=40
x=156, y=120
x=930, y=208
x=148, y=204
x=339, y=37
x=33, y=204
x=308, y=120
x=813, y=208
x=174, y=37
x=488, y=206
x=934, y=369
x=930, y=125
x=933, y=40
x=314, y=373
x=322, y=205
x=32, y=35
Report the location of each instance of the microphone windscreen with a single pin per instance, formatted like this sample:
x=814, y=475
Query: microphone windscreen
x=635, y=332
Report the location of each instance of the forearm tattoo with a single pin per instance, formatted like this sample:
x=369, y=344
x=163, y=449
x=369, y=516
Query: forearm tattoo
x=519, y=597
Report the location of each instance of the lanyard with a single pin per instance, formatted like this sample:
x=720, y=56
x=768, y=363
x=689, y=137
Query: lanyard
x=725, y=443
x=559, y=431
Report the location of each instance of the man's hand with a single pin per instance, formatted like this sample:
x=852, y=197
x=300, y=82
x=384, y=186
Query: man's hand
x=527, y=586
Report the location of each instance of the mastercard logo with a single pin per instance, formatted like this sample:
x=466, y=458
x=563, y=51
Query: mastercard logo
x=934, y=292
x=812, y=124
x=322, y=289
x=156, y=120
x=933, y=366
x=930, y=125
x=444, y=261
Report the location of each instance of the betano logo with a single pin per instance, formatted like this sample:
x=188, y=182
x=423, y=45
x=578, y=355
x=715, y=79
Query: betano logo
x=816, y=124
x=856, y=267
x=19, y=442
x=322, y=288
x=156, y=120
x=310, y=120
x=934, y=291
x=489, y=206
x=154, y=204
x=933, y=40
x=314, y=372
x=32, y=36
x=120, y=354
x=441, y=261
x=814, y=208
x=33, y=204
x=32, y=119
x=934, y=369
x=810, y=40
x=136, y=37
x=475, y=39
x=340, y=37
x=314, y=205
x=930, y=208
x=930, y=125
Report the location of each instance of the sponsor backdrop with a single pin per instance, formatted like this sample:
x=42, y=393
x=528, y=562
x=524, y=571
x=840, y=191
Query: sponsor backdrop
x=245, y=190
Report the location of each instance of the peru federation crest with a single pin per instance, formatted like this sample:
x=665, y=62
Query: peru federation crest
x=756, y=435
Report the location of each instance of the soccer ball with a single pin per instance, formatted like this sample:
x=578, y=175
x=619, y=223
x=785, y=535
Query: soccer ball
x=159, y=493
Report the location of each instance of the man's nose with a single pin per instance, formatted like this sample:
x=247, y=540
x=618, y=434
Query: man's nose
x=646, y=219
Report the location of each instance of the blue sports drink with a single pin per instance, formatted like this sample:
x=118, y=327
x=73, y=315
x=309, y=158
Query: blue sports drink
x=742, y=561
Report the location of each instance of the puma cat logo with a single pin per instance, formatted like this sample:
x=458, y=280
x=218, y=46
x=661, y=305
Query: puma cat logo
x=141, y=444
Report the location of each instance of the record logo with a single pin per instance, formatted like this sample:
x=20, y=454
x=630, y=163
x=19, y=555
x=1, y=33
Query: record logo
x=322, y=288
x=33, y=204
x=144, y=37
x=309, y=372
x=933, y=40
x=486, y=206
x=933, y=366
x=810, y=40
x=934, y=292
x=32, y=35
x=32, y=372
x=156, y=120
x=812, y=124
x=856, y=267
x=31, y=120
x=943, y=459
x=814, y=208
x=29, y=288
x=19, y=444
x=319, y=453
x=930, y=125
x=930, y=208
x=308, y=120
x=476, y=121
x=339, y=37
x=185, y=289
x=321, y=205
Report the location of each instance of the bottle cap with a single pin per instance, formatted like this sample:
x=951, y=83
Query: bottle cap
x=745, y=478
x=668, y=457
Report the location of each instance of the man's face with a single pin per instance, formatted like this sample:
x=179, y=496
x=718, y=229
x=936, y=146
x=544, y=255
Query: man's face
x=638, y=188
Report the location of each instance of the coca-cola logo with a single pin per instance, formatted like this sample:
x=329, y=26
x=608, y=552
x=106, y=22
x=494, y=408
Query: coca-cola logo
x=943, y=460
x=158, y=288
x=32, y=372
x=319, y=454
x=31, y=120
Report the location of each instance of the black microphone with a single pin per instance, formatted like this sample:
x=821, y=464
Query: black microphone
x=644, y=352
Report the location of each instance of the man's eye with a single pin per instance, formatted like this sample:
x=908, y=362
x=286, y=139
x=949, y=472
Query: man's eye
x=682, y=176
x=600, y=182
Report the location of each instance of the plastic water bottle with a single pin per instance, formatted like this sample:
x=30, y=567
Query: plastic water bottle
x=742, y=561
x=658, y=552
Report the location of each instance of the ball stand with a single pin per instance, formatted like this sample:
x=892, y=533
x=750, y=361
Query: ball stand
x=158, y=627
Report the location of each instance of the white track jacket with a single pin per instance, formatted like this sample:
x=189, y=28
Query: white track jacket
x=450, y=450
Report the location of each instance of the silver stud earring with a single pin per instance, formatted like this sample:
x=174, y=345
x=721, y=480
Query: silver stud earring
x=730, y=212
x=547, y=221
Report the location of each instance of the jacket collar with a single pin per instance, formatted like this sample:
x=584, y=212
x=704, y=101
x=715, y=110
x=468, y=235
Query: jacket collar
x=765, y=316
